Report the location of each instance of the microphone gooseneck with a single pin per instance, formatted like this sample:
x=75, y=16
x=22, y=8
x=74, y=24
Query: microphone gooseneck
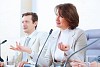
x=78, y=51
x=42, y=48
x=3, y=42
x=50, y=32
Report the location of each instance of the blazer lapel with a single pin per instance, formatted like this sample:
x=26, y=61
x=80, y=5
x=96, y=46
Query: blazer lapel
x=54, y=43
x=71, y=39
x=33, y=38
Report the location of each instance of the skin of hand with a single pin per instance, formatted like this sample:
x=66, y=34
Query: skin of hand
x=63, y=47
x=1, y=64
x=20, y=48
x=94, y=64
x=77, y=63
x=20, y=64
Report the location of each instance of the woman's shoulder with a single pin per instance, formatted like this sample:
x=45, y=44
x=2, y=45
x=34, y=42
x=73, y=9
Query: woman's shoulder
x=78, y=30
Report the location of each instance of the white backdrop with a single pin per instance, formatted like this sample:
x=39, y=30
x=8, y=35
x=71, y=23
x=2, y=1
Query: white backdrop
x=89, y=13
x=10, y=18
x=9, y=25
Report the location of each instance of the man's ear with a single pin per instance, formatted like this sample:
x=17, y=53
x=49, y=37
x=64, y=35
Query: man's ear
x=36, y=23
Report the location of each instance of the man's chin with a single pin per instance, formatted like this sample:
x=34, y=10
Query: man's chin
x=25, y=31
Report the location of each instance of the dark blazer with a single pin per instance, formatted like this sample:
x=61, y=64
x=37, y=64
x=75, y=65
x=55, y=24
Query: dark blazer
x=1, y=60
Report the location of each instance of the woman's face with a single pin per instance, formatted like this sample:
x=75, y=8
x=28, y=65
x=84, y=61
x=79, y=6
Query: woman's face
x=61, y=22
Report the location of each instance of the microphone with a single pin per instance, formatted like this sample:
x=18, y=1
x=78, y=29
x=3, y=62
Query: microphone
x=43, y=47
x=3, y=42
x=79, y=51
x=1, y=60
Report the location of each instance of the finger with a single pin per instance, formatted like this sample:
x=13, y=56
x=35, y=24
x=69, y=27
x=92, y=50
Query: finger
x=20, y=64
x=16, y=43
x=82, y=65
x=79, y=65
x=59, y=46
x=79, y=61
x=64, y=46
x=74, y=64
x=12, y=47
x=19, y=44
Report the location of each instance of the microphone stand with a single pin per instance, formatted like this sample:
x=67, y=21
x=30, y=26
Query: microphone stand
x=36, y=65
x=0, y=53
x=78, y=51
x=1, y=60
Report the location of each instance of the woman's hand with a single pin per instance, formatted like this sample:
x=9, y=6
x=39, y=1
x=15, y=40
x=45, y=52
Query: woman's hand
x=94, y=64
x=20, y=48
x=78, y=63
x=21, y=64
x=63, y=47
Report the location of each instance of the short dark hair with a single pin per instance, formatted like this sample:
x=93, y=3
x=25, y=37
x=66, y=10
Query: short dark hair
x=34, y=16
x=69, y=12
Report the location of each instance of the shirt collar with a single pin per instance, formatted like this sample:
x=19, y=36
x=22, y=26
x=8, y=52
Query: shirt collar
x=33, y=33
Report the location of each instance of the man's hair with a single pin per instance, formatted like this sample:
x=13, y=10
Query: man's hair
x=69, y=12
x=34, y=16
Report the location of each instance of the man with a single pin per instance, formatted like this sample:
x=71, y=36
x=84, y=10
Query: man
x=36, y=39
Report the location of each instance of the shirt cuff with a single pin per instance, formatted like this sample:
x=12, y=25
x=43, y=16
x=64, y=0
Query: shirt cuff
x=31, y=62
x=31, y=55
x=69, y=52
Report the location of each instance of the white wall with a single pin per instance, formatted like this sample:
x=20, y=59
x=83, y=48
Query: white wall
x=89, y=13
x=9, y=24
x=26, y=6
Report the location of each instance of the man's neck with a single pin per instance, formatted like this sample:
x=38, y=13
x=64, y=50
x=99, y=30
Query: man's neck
x=30, y=33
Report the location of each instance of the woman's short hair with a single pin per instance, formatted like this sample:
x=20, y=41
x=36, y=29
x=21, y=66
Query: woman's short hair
x=69, y=12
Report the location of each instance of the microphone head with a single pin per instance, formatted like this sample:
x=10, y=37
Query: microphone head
x=4, y=41
x=50, y=31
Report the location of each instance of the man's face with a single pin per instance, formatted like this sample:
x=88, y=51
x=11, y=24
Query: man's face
x=28, y=25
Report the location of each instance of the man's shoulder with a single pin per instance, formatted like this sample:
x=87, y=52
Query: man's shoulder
x=42, y=33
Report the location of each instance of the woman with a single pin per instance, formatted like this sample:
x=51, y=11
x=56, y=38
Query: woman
x=67, y=39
